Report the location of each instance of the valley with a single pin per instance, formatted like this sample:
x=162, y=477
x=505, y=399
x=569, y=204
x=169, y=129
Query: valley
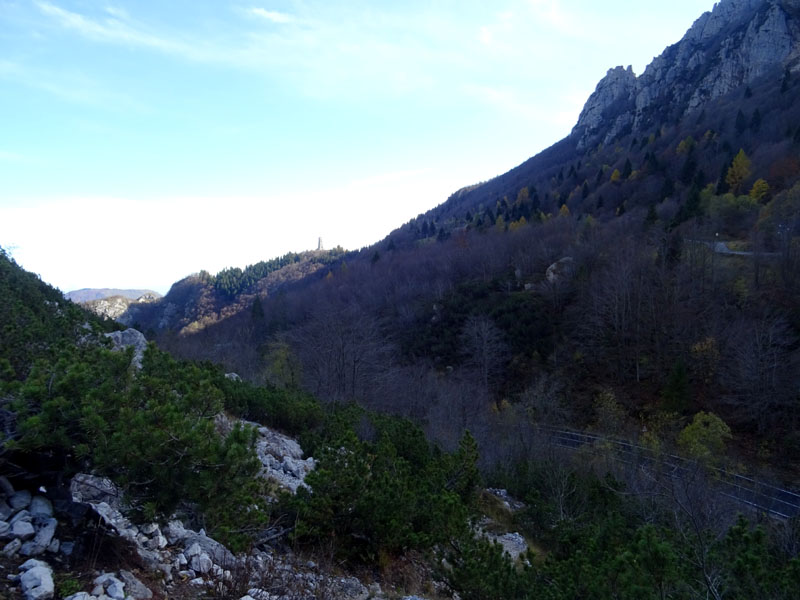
x=579, y=379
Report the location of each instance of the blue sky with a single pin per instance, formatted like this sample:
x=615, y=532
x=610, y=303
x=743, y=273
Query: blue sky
x=142, y=141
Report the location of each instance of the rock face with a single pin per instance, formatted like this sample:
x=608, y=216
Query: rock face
x=130, y=338
x=736, y=43
x=282, y=458
x=110, y=308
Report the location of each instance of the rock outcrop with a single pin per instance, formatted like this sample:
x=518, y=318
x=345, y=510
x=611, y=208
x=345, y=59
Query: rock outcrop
x=174, y=560
x=735, y=44
x=130, y=338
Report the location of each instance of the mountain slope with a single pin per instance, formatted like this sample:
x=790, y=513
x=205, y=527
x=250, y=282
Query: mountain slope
x=695, y=86
x=584, y=274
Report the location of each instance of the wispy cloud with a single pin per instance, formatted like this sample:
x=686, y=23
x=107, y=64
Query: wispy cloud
x=271, y=15
x=116, y=28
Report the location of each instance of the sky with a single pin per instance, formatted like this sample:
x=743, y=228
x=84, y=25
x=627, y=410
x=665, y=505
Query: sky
x=141, y=141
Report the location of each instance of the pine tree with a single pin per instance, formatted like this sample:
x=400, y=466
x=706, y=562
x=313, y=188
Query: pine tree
x=627, y=169
x=741, y=122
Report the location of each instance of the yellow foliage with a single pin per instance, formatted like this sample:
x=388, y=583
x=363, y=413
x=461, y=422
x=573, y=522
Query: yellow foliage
x=705, y=437
x=517, y=224
x=686, y=145
x=563, y=211
x=759, y=190
x=738, y=171
x=616, y=176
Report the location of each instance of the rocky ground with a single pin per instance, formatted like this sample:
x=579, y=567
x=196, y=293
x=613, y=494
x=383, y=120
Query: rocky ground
x=78, y=543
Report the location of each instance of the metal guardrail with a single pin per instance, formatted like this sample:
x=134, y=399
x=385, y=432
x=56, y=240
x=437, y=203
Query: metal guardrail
x=757, y=495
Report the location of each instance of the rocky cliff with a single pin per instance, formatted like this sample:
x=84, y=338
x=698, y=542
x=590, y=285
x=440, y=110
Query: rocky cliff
x=114, y=307
x=735, y=44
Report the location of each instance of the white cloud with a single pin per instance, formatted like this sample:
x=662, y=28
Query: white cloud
x=118, y=29
x=271, y=15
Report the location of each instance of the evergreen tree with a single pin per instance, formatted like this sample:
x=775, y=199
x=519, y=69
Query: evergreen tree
x=741, y=122
x=627, y=169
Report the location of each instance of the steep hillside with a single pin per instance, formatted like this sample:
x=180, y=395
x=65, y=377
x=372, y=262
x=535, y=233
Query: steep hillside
x=37, y=321
x=651, y=257
x=200, y=300
x=728, y=84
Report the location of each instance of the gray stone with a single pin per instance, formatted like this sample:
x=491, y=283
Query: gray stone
x=135, y=588
x=37, y=581
x=350, y=588
x=157, y=542
x=41, y=506
x=22, y=515
x=192, y=550
x=175, y=532
x=116, y=590
x=32, y=563
x=12, y=547
x=197, y=581
x=150, y=529
x=151, y=558
x=5, y=530
x=114, y=518
x=514, y=544
x=54, y=546
x=201, y=563
x=67, y=548
x=127, y=339
x=216, y=551
x=79, y=596
x=20, y=500
x=23, y=530
x=105, y=579
x=46, y=532
x=31, y=548
x=94, y=490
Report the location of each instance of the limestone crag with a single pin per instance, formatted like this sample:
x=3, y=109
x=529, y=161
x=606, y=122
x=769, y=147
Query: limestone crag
x=176, y=560
x=109, y=308
x=130, y=338
x=282, y=458
x=735, y=44
x=115, y=306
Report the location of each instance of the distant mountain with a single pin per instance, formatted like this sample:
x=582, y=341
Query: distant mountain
x=203, y=299
x=88, y=294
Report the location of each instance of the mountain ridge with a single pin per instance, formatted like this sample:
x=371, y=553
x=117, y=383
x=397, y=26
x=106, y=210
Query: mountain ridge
x=88, y=294
x=736, y=43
